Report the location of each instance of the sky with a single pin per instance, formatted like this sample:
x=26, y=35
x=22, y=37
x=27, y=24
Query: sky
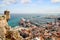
x=30, y=6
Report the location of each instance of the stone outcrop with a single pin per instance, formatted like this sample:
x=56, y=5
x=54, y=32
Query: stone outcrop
x=3, y=27
x=13, y=35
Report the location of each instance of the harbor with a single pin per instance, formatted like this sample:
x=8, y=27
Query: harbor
x=29, y=19
x=28, y=30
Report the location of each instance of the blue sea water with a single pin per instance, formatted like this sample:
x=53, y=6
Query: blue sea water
x=36, y=18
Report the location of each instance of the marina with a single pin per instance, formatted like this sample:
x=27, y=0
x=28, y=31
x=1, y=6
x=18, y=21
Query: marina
x=29, y=30
x=29, y=19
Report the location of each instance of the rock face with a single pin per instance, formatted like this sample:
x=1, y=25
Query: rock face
x=13, y=35
x=5, y=32
x=3, y=27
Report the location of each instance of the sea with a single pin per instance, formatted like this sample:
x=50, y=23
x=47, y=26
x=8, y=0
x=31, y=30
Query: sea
x=35, y=18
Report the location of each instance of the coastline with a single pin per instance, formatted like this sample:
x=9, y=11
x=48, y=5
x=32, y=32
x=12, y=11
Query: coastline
x=28, y=29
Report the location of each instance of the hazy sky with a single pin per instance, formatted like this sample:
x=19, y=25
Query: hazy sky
x=30, y=6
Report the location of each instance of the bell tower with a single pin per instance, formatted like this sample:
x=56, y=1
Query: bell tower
x=7, y=14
